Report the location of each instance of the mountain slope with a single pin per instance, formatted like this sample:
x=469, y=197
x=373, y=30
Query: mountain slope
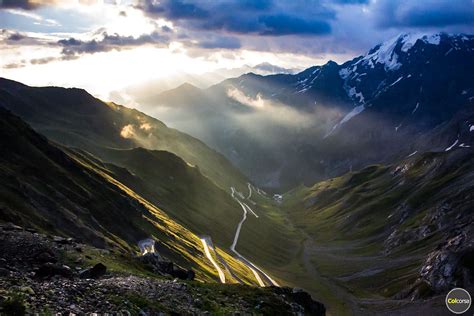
x=328, y=119
x=75, y=118
x=179, y=189
x=60, y=193
x=391, y=234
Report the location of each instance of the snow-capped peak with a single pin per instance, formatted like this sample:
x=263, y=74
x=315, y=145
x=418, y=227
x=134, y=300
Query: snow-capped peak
x=386, y=53
x=409, y=39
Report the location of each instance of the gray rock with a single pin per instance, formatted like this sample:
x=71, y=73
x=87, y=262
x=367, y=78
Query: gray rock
x=93, y=273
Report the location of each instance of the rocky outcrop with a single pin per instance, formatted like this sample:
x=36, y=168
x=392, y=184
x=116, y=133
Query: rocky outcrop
x=450, y=266
x=156, y=264
x=94, y=272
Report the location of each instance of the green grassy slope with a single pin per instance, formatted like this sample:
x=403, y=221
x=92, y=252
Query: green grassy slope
x=46, y=188
x=179, y=189
x=370, y=231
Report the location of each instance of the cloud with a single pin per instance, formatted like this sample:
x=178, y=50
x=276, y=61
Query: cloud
x=283, y=24
x=42, y=61
x=351, y=1
x=128, y=131
x=73, y=46
x=257, y=102
x=21, y=4
x=173, y=9
x=35, y=4
x=314, y=29
x=267, y=17
x=221, y=42
x=39, y=20
x=20, y=64
x=428, y=13
x=255, y=4
x=266, y=113
x=15, y=38
x=272, y=69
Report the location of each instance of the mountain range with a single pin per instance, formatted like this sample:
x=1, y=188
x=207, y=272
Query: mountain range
x=374, y=158
x=283, y=130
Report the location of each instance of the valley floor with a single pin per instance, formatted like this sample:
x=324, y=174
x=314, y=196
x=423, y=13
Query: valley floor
x=333, y=273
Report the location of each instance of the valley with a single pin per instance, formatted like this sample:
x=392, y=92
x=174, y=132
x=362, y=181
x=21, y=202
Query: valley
x=344, y=189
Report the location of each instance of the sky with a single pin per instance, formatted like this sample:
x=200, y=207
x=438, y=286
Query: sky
x=108, y=46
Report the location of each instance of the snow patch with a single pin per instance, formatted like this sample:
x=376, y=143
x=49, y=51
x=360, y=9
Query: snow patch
x=355, y=111
x=354, y=94
x=344, y=73
x=416, y=108
x=396, y=81
x=452, y=146
x=412, y=154
x=303, y=90
x=471, y=128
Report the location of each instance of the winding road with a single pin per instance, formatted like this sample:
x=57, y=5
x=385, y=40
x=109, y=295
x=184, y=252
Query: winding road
x=256, y=270
x=205, y=244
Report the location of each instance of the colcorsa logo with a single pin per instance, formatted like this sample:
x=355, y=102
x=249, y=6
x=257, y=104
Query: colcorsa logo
x=458, y=301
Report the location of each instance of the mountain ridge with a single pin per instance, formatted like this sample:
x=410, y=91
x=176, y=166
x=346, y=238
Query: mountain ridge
x=405, y=86
x=111, y=125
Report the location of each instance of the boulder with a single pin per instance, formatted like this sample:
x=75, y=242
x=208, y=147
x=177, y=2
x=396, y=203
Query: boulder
x=94, y=272
x=302, y=298
x=155, y=263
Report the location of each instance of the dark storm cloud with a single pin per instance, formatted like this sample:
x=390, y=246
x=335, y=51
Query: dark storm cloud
x=25, y=4
x=108, y=42
x=173, y=9
x=255, y=5
x=18, y=4
x=350, y=1
x=16, y=37
x=428, y=13
x=285, y=25
x=245, y=17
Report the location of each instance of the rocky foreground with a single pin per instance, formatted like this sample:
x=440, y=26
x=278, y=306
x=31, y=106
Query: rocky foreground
x=51, y=274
